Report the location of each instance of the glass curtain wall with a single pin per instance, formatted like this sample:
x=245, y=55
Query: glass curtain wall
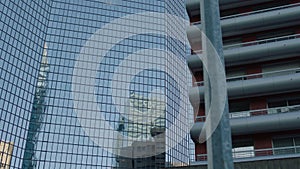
x=23, y=26
x=107, y=62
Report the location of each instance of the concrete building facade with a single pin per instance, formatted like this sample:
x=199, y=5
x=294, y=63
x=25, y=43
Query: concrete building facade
x=261, y=51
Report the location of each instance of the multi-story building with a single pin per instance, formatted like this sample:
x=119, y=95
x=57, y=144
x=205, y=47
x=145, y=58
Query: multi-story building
x=67, y=105
x=6, y=150
x=261, y=51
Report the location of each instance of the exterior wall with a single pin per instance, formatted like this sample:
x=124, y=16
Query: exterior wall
x=286, y=163
x=79, y=25
x=23, y=30
x=66, y=26
x=254, y=69
x=261, y=141
x=257, y=105
x=6, y=150
x=201, y=150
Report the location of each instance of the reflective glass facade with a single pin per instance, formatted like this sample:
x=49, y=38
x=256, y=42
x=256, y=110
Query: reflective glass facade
x=84, y=81
x=23, y=27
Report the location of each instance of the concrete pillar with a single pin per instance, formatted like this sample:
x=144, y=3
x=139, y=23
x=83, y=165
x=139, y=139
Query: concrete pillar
x=219, y=146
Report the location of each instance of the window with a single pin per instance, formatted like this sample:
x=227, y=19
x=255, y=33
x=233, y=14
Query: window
x=283, y=105
x=278, y=69
x=289, y=145
x=235, y=75
x=239, y=109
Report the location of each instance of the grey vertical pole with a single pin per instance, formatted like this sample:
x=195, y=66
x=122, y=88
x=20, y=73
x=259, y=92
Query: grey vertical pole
x=219, y=144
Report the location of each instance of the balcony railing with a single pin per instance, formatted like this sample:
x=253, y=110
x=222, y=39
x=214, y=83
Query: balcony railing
x=257, y=42
x=265, y=74
x=254, y=12
x=267, y=111
x=274, y=110
x=258, y=153
x=256, y=75
x=261, y=11
x=263, y=41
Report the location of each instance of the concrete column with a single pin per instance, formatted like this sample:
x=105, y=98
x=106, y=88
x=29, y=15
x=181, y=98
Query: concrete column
x=219, y=146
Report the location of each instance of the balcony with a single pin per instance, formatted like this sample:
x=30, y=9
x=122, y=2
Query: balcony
x=261, y=154
x=257, y=124
x=262, y=20
x=271, y=122
x=193, y=6
x=248, y=122
x=254, y=52
x=249, y=113
x=250, y=85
